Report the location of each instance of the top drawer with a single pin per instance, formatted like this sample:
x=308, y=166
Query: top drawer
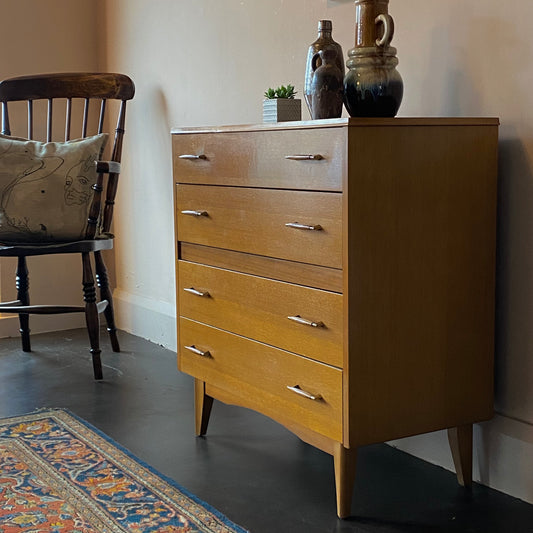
x=312, y=159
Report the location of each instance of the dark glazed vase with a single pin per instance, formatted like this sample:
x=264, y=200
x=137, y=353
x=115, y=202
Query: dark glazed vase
x=372, y=87
x=327, y=86
x=323, y=41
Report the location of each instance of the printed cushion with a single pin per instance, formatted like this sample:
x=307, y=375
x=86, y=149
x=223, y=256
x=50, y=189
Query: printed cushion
x=46, y=188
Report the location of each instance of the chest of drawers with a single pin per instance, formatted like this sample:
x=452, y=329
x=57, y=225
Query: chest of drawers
x=338, y=277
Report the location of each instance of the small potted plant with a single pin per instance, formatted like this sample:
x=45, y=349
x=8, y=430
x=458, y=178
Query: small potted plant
x=280, y=105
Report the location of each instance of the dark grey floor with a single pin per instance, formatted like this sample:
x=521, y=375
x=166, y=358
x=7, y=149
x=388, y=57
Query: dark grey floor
x=248, y=467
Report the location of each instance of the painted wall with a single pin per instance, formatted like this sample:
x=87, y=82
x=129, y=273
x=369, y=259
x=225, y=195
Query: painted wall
x=40, y=37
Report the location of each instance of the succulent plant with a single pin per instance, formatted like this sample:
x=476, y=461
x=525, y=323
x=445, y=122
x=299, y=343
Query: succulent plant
x=281, y=92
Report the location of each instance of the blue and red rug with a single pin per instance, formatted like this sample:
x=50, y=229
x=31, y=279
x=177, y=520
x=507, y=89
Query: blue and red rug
x=59, y=474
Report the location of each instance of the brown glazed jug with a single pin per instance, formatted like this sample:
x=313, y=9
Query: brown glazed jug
x=372, y=86
x=327, y=85
x=324, y=40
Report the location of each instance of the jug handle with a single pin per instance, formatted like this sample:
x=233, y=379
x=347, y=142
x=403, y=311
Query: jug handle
x=388, y=29
x=314, y=65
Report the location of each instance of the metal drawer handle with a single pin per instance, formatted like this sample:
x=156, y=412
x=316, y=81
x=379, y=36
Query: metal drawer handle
x=195, y=213
x=305, y=157
x=305, y=394
x=300, y=320
x=296, y=225
x=197, y=351
x=192, y=290
x=192, y=157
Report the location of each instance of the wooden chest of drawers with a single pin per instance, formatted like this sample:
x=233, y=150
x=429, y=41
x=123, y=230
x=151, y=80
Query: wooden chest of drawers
x=338, y=277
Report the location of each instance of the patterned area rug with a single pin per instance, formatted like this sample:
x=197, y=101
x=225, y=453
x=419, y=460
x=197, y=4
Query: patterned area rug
x=59, y=474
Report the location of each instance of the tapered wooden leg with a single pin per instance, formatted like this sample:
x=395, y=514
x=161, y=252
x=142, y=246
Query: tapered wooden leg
x=202, y=407
x=460, y=439
x=345, y=462
x=91, y=315
x=105, y=294
x=23, y=295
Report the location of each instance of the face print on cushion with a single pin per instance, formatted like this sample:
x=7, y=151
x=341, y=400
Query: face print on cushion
x=77, y=183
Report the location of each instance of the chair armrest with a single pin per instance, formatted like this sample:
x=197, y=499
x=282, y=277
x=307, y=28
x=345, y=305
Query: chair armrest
x=108, y=167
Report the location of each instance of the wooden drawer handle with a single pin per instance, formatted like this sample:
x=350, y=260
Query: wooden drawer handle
x=300, y=320
x=192, y=290
x=195, y=213
x=297, y=225
x=192, y=157
x=305, y=157
x=304, y=393
x=195, y=350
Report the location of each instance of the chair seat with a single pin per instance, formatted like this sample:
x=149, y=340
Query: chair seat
x=28, y=249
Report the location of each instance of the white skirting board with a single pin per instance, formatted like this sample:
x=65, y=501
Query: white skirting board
x=150, y=319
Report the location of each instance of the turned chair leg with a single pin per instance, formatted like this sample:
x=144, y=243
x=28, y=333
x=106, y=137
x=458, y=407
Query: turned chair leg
x=23, y=295
x=102, y=281
x=202, y=408
x=91, y=314
x=460, y=439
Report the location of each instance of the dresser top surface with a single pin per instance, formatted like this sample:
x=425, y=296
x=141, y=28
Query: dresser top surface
x=344, y=122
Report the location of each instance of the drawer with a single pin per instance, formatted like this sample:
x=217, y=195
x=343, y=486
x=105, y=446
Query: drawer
x=260, y=158
x=260, y=375
x=292, y=317
x=255, y=221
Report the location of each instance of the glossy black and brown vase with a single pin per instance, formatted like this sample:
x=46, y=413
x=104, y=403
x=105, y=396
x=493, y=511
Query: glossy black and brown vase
x=314, y=61
x=372, y=86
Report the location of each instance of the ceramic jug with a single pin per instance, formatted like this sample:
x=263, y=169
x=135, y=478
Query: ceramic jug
x=327, y=85
x=324, y=40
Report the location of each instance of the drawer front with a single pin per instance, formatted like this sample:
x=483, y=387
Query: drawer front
x=292, y=317
x=261, y=375
x=275, y=159
x=255, y=221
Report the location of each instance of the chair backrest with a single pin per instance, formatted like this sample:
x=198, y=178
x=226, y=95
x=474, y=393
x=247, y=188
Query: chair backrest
x=75, y=93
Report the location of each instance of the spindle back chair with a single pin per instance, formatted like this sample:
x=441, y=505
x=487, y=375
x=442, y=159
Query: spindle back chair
x=76, y=93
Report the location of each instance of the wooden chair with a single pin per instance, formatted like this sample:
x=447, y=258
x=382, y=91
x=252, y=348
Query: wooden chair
x=76, y=93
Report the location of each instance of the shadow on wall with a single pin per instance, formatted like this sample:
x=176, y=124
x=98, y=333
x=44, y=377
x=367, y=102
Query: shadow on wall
x=161, y=105
x=514, y=283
